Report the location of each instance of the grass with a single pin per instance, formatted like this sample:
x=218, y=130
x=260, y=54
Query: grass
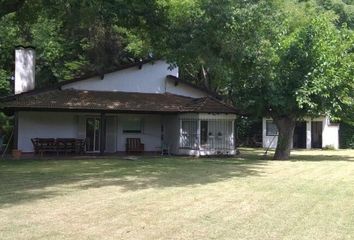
x=308, y=197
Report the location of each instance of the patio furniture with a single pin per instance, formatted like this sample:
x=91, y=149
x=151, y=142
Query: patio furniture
x=66, y=145
x=44, y=145
x=165, y=149
x=59, y=145
x=134, y=145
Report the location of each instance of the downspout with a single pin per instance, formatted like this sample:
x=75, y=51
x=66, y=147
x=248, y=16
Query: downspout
x=15, y=131
x=103, y=134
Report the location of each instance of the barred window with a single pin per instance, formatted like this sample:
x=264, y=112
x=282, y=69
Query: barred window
x=189, y=134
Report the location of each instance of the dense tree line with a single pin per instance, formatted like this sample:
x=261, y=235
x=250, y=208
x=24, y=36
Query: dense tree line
x=283, y=58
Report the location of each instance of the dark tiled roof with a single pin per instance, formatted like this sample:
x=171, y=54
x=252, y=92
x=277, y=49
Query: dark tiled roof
x=114, y=102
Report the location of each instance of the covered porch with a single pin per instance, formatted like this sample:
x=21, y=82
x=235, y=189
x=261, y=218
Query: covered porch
x=108, y=133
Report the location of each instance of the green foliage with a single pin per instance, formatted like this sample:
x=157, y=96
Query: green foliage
x=343, y=8
x=248, y=131
x=5, y=127
x=270, y=57
x=74, y=38
x=346, y=135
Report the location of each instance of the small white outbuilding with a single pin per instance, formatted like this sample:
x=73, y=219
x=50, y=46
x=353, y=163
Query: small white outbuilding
x=309, y=133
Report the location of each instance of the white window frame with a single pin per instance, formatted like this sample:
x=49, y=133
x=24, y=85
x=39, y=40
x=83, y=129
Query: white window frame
x=132, y=131
x=268, y=130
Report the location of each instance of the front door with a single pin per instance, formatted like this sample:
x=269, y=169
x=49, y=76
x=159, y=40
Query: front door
x=93, y=126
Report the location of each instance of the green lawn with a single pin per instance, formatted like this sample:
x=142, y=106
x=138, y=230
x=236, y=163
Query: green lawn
x=308, y=197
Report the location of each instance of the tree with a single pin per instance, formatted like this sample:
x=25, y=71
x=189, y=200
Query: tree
x=283, y=59
x=75, y=38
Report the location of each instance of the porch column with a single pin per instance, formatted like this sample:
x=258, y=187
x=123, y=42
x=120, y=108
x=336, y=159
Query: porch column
x=103, y=134
x=15, y=131
x=308, y=135
x=198, y=133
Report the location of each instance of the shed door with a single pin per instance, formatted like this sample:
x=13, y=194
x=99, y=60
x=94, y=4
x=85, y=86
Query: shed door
x=316, y=134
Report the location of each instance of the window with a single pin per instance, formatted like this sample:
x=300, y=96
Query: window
x=189, y=134
x=271, y=128
x=132, y=125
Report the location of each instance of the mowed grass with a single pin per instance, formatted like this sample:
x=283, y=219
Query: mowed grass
x=308, y=197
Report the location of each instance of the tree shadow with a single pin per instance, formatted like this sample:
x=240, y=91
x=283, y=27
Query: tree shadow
x=29, y=180
x=322, y=156
x=304, y=155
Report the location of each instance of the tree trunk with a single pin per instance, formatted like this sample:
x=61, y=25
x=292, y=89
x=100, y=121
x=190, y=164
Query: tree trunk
x=286, y=126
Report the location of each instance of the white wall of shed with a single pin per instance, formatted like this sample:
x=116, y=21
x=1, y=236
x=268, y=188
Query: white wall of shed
x=330, y=133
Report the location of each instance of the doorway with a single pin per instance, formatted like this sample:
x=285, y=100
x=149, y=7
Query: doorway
x=316, y=134
x=299, y=140
x=93, y=132
x=203, y=132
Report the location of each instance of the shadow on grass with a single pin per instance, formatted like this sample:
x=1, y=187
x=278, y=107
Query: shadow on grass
x=304, y=155
x=321, y=158
x=28, y=180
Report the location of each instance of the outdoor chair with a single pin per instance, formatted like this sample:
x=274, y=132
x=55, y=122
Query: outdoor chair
x=165, y=149
x=134, y=145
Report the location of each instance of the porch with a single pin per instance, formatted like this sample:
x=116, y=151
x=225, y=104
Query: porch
x=107, y=133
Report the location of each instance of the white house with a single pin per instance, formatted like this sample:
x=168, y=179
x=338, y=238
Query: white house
x=145, y=101
x=309, y=133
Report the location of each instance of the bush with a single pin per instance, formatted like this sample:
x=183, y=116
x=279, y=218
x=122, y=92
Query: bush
x=346, y=135
x=328, y=147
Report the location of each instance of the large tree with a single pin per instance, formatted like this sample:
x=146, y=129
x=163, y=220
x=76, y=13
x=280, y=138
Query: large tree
x=283, y=59
x=75, y=38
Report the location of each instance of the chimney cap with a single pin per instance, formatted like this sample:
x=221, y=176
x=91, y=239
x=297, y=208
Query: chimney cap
x=24, y=47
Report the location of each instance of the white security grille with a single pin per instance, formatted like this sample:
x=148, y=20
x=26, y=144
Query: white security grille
x=207, y=134
x=189, y=134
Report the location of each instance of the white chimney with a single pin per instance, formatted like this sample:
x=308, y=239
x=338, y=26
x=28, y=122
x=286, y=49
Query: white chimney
x=25, y=63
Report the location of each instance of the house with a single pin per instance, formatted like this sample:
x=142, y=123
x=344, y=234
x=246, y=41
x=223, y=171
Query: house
x=145, y=101
x=309, y=133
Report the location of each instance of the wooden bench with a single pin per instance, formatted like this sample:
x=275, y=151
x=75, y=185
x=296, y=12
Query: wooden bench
x=134, y=145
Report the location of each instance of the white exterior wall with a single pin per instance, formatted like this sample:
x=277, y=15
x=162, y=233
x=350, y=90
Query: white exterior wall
x=171, y=136
x=44, y=125
x=330, y=134
x=184, y=90
x=151, y=78
x=73, y=125
x=150, y=136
